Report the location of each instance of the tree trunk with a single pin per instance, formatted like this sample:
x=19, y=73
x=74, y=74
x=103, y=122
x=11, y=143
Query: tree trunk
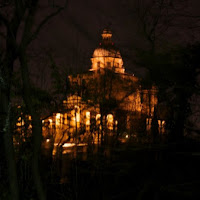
x=101, y=124
x=36, y=125
x=154, y=127
x=8, y=144
x=37, y=138
x=5, y=124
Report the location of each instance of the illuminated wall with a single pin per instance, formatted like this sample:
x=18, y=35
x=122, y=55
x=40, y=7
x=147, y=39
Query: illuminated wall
x=110, y=121
x=87, y=120
x=134, y=101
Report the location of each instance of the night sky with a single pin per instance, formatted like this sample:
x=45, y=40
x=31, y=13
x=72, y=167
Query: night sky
x=68, y=41
x=72, y=36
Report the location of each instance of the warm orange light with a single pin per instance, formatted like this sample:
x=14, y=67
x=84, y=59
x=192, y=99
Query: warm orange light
x=110, y=121
x=159, y=123
x=87, y=115
x=20, y=122
x=59, y=117
x=68, y=145
x=64, y=101
x=65, y=118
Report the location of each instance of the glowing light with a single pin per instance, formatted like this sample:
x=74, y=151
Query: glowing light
x=110, y=121
x=20, y=122
x=77, y=113
x=106, y=34
x=98, y=116
x=127, y=136
x=64, y=101
x=159, y=123
x=57, y=115
x=87, y=115
x=148, y=121
x=47, y=140
x=68, y=145
x=58, y=120
x=78, y=117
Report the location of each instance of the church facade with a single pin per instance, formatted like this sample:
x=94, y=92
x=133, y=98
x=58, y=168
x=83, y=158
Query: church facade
x=105, y=98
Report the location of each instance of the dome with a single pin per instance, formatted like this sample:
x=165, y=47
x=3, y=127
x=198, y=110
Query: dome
x=106, y=55
x=102, y=52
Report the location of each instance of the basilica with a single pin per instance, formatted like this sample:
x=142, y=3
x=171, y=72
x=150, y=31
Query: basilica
x=105, y=98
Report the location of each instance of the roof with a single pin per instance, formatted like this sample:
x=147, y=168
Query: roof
x=106, y=47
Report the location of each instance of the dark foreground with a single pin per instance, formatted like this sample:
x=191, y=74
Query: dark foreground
x=126, y=171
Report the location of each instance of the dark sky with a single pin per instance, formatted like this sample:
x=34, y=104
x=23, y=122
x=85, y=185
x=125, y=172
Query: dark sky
x=73, y=35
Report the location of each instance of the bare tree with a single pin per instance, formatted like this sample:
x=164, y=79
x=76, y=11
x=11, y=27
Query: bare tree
x=158, y=20
x=17, y=19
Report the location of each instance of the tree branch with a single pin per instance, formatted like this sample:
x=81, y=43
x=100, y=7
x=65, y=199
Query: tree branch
x=43, y=22
x=29, y=23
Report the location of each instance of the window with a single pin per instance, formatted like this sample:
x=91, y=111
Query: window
x=109, y=64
